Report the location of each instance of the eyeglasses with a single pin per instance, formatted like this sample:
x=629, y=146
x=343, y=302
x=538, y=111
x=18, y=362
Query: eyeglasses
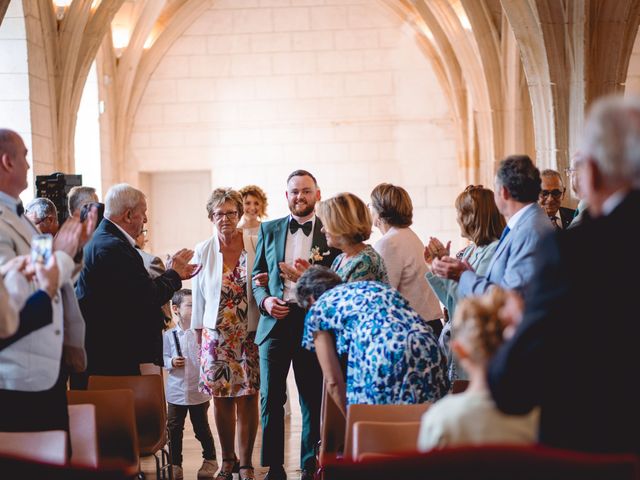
x=220, y=215
x=555, y=193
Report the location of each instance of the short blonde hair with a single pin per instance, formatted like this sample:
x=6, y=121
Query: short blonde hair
x=477, y=323
x=393, y=205
x=257, y=192
x=222, y=195
x=346, y=216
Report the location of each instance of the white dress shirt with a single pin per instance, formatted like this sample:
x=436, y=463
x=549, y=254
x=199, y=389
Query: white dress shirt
x=513, y=221
x=298, y=245
x=182, y=384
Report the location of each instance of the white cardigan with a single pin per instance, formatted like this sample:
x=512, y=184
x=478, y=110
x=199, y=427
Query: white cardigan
x=207, y=284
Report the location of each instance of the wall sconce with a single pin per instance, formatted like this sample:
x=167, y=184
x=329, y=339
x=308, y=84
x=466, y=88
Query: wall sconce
x=61, y=7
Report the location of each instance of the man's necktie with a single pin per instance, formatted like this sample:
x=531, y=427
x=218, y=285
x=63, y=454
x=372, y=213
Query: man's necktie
x=19, y=209
x=505, y=232
x=306, y=228
x=554, y=222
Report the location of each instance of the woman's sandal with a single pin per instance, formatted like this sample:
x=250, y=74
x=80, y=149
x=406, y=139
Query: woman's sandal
x=245, y=477
x=222, y=475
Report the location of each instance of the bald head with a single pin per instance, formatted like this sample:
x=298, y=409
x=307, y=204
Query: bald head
x=13, y=163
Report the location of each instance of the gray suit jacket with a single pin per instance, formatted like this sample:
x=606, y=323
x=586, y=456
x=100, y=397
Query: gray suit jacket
x=512, y=266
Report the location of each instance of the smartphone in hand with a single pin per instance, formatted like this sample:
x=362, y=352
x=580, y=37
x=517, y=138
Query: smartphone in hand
x=41, y=248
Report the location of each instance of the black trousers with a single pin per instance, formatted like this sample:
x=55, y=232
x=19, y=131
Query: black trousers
x=281, y=349
x=35, y=411
x=200, y=422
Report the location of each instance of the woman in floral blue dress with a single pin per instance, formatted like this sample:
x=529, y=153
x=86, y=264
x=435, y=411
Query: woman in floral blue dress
x=393, y=355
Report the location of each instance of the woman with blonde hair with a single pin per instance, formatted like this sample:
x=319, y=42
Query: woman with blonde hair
x=225, y=312
x=346, y=222
x=471, y=417
x=482, y=224
x=254, y=204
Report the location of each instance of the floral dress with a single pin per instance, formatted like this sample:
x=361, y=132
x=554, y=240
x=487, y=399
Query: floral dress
x=229, y=359
x=393, y=355
x=365, y=265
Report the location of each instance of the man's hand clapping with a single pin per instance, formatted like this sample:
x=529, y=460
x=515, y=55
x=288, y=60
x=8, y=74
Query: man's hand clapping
x=448, y=267
x=180, y=264
x=74, y=234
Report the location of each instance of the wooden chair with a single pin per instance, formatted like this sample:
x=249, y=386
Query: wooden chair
x=46, y=447
x=459, y=386
x=150, y=414
x=490, y=463
x=379, y=413
x=375, y=439
x=18, y=468
x=83, y=435
x=116, y=427
x=332, y=427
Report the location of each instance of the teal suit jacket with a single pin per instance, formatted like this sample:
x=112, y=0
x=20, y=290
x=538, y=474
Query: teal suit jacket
x=269, y=252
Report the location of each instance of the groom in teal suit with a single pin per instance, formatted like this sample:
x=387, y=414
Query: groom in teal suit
x=279, y=334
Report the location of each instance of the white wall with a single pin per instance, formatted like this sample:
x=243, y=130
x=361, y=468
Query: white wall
x=257, y=88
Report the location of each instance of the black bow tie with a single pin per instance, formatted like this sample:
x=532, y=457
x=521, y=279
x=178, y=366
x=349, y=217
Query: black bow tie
x=19, y=209
x=306, y=228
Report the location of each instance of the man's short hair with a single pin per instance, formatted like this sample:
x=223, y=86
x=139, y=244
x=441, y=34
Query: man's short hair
x=120, y=198
x=8, y=142
x=302, y=173
x=41, y=208
x=178, y=297
x=79, y=196
x=548, y=172
x=520, y=177
x=612, y=137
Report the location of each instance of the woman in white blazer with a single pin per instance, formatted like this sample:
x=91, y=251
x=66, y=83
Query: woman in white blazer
x=403, y=251
x=226, y=314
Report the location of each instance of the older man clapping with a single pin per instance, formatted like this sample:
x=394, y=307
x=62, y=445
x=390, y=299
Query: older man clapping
x=120, y=302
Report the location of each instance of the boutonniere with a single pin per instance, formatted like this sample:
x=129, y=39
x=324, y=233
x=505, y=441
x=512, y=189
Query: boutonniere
x=316, y=255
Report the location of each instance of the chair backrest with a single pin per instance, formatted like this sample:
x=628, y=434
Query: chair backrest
x=459, y=386
x=380, y=413
x=150, y=369
x=150, y=406
x=48, y=447
x=490, y=463
x=83, y=435
x=116, y=426
x=12, y=467
x=332, y=427
x=384, y=438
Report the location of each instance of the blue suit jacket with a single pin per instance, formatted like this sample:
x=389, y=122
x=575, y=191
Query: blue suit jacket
x=512, y=266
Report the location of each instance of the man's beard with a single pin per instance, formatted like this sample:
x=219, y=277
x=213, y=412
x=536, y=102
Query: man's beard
x=301, y=209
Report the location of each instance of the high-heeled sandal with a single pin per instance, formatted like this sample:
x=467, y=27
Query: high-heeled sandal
x=222, y=475
x=244, y=477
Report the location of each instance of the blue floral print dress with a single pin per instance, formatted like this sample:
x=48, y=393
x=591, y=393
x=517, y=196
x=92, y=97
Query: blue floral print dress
x=393, y=355
x=365, y=265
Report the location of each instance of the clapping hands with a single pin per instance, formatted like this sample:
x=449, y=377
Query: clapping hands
x=179, y=262
x=435, y=250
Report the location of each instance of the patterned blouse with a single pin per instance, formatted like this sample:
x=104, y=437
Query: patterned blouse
x=365, y=265
x=393, y=355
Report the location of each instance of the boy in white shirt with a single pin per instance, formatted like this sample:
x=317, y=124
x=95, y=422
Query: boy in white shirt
x=181, y=359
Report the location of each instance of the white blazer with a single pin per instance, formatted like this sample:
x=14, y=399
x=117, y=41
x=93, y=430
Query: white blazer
x=207, y=284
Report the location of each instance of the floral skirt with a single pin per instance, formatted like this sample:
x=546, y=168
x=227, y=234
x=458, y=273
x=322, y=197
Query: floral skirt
x=230, y=365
